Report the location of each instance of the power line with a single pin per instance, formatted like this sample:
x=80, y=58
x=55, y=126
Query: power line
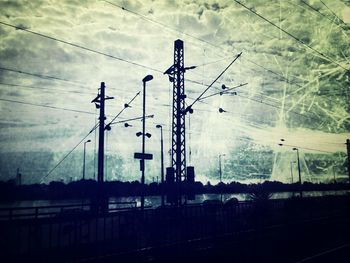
x=260, y=101
x=47, y=106
x=199, y=97
x=93, y=128
x=333, y=13
x=275, y=73
x=201, y=40
x=323, y=15
x=43, y=88
x=132, y=119
x=56, y=78
x=277, y=107
x=61, y=90
x=39, y=75
x=212, y=62
x=326, y=57
x=317, y=11
x=125, y=106
x=279, y=75
x=223, y=92
x=88, y=49
x=162, y=25
x=79, y=46
x=91, y=113
x=305, y=148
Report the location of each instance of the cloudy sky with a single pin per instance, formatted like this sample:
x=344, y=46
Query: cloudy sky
x=54, y=54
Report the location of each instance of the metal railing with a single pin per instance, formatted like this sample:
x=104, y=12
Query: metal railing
x=83, y=235
x=31, y=212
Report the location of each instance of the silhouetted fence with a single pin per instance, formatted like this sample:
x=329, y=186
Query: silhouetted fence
x=81, y=234
x=30, y=212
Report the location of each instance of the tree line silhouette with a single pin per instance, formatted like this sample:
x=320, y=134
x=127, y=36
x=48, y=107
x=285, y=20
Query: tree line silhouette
x=89, y=188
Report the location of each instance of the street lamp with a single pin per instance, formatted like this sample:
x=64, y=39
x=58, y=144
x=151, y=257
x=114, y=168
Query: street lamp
x=142, y=161
x=84, y=158
x=220, y=168
x=299, y=173
x=291, y=171
x=161, y=161
x=220, y=172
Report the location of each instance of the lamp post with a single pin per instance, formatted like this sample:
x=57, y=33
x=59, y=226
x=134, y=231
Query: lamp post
x=142, y=161
x=291, y=171
x=84, y=158
x=220, y=168
x=220, y=172
x=299, y=173
x=161, y=161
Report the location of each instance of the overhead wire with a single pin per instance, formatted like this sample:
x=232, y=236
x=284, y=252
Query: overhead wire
x=44, y=88
x=133, y=119
x=91, y=113
x=223, y=91
x=125, y=106
x=84, y=48
x=317, y=12
x=52, y=169
x=334, y=14
x=160, y=24
x=93, y=129
x=46, y=106
x=89, y=50
x=65, y=42
x=199, y=39
x=279, y=75
x=80, y=46
x=39, y=75
x=325, y=57
x=208, y=87
x=277, y=107
x=306, y=148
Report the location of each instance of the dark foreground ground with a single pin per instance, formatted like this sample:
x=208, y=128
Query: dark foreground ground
x=307, y=230
x=322, y=240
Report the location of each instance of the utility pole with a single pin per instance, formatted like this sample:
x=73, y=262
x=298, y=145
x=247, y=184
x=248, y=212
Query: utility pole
x=161, y=162
x=299, y=172
x=348, y=152
x=291, y=171
x=100, y=104
x=19, y=178
x=84, y=157
x=101, y=135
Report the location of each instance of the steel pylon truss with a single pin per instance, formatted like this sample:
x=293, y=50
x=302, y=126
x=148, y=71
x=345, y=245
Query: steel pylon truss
x=178, y=150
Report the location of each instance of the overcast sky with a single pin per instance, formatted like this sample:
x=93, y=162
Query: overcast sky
x=293, y=91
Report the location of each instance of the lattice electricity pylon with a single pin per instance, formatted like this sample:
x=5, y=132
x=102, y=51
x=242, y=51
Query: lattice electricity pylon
x=178, y=147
